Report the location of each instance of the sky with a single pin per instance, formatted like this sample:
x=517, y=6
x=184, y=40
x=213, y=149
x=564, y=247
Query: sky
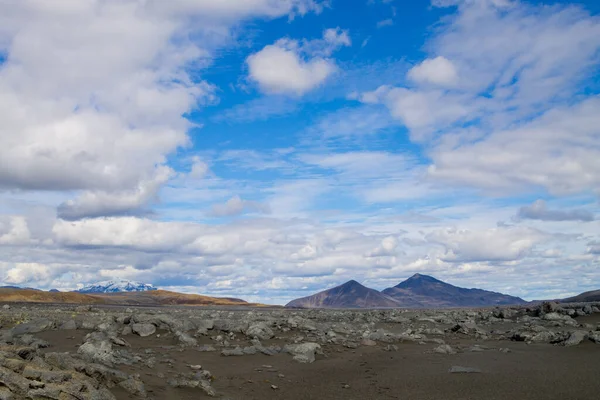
x=270, y=149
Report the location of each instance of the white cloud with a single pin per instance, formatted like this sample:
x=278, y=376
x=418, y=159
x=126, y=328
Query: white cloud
x=92, y=204
x=278, y=69
x=100, y=110
x=95, y=128
x=236, y=206
x=539, y=210
x=337, y=37
x=555, y=152
x=14, y=231
x=24, y=273
x=438, y=71
x=290, y=66
x=199, y=168
x=385, y=22
x=506, y=128
x=498, y=244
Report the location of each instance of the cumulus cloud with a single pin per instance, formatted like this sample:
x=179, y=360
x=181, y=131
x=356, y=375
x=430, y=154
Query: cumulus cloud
x=199, y=168
x=236, y=206
x=92, y=204
x=94, y=126
x=539, y=210
x=506, y=128
x=420, y=109
x=291, y=66
x=553, y=152
x=439, y=71
x=387, y=247
x=24, y=273
x=14, y=230
x=81, y=113
x=498, y=244
x=594, y=247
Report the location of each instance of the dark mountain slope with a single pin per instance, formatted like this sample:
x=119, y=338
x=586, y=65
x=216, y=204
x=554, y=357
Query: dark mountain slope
x=349, y=295
x=428, y=292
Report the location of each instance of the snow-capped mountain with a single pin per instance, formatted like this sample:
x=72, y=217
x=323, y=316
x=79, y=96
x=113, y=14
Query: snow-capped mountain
x=116, y=287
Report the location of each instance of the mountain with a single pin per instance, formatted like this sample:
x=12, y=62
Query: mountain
x=593, y=295
x=116, y=287
x=427, y=292
x=17, y=287
x=163, y=298
x=349, y=295
x=144, y=298
x=18, y=295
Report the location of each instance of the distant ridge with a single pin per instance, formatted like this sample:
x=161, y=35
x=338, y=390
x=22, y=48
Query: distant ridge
x=143, y=298
x=424, y=291
x=116, y=287
x=349, y=295
x=418, y=291
x=593, y=295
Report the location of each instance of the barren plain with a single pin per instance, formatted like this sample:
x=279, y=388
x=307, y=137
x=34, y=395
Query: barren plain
x=546, y=351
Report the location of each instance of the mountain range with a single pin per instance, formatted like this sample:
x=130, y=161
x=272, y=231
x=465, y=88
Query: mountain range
x=116, y=287
x=418, y=291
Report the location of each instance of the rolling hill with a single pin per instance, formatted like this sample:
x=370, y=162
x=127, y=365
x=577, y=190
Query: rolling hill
x=145, y=298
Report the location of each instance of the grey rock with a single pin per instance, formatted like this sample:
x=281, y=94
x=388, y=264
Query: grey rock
x=193, y=383
x=206, y=347
x=134, y=386
x=238, y=351
x=68, y=325
x=185, y=339
x=143, y=330
x=260, y=330
x=463, y=370
x=6, y=394
x=594, y=337
x=304, y=352
x=575, y=338
x=444, y=349
x=36, y=326
x=225, y=325
x=204, y=326
x=101, y=352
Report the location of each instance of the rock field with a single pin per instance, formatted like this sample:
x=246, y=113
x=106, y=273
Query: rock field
x=100, y=353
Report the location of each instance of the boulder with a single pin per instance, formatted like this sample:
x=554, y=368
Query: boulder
x=68, y=325
x=260, y=330
x=463, y=370
x=143, y=330
x=594, y=337
x=36, y=326
x=575, y=338
x=238, y=351
x=185, y=339
x=444, y=349
x=304, y=352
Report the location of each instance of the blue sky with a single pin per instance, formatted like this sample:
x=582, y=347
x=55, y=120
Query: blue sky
x=270, y=149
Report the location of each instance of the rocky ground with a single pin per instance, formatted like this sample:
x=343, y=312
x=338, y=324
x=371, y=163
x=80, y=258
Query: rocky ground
x=549, y=351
